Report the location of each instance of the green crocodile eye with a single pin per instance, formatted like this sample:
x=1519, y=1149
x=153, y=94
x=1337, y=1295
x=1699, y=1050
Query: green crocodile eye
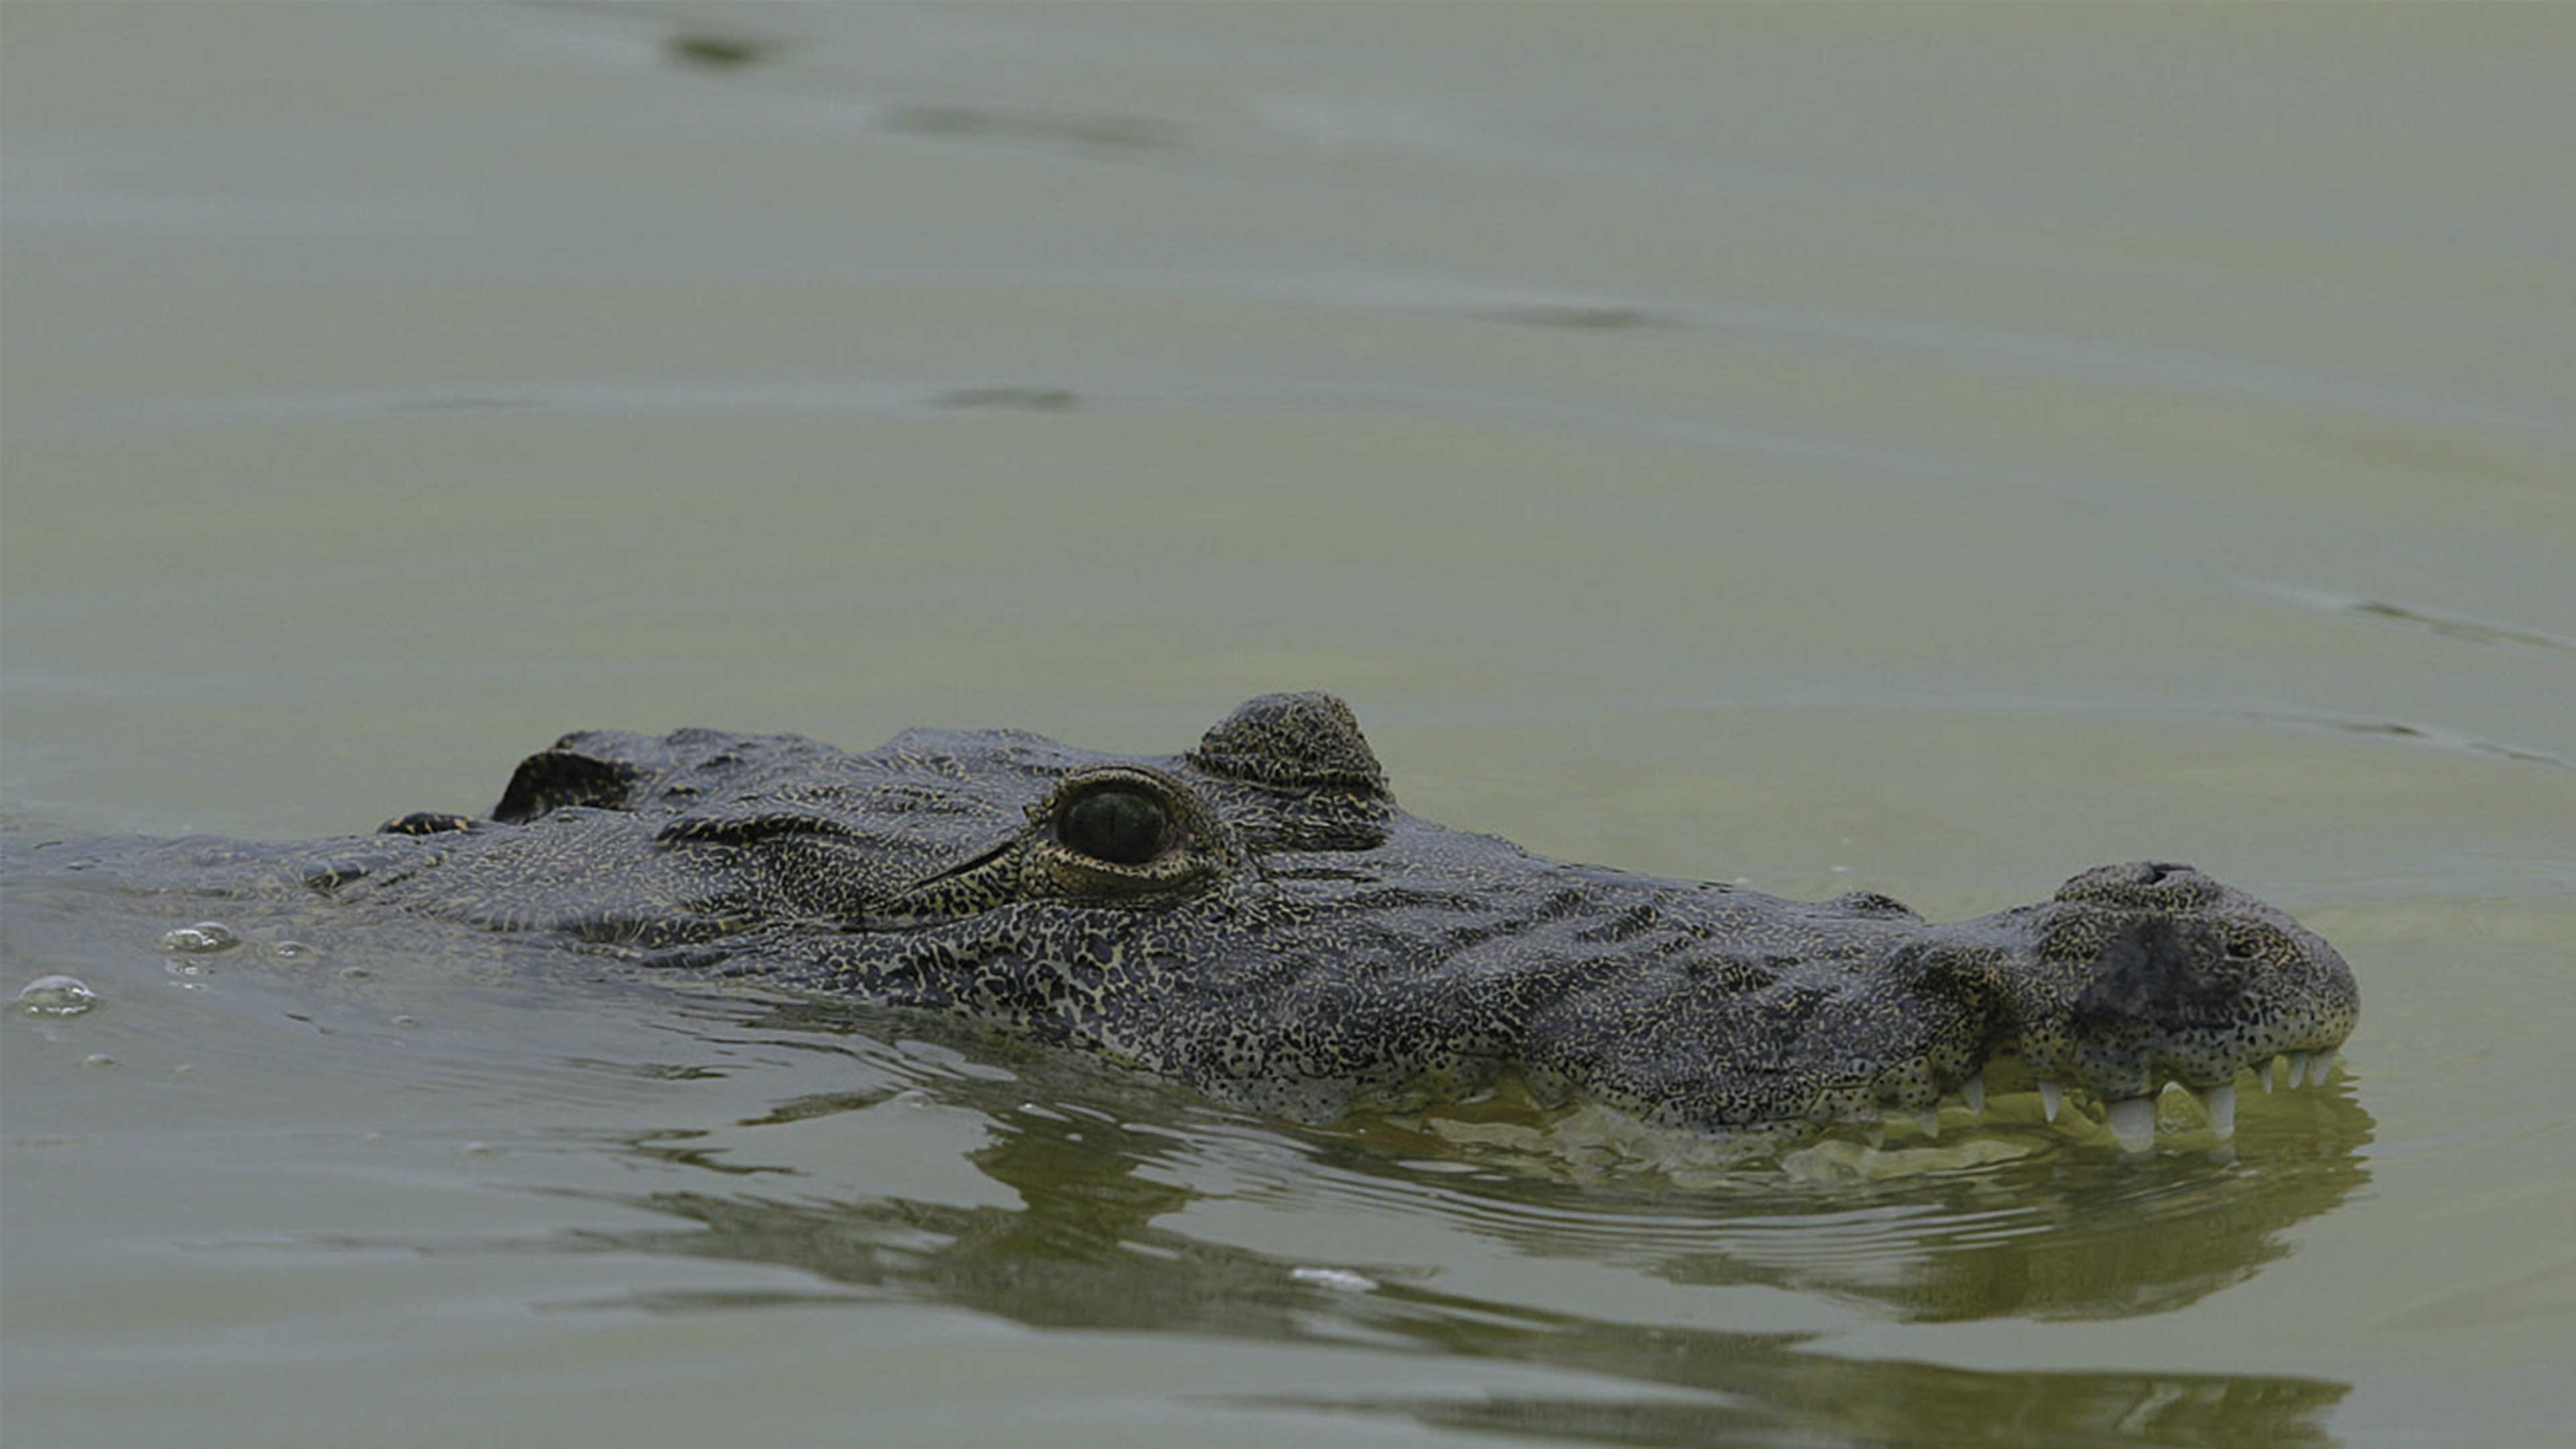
x=1123, y=827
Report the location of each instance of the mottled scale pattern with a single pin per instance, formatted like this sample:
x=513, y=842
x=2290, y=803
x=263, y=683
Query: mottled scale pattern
x=1263, y=921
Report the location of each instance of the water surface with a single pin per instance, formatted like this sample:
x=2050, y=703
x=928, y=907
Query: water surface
x=1927, y=451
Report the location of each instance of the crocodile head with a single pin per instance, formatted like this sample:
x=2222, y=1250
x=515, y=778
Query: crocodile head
x=1259, y=918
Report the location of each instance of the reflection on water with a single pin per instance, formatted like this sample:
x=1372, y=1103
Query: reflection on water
x=2051, y=1231
x=2074, y=1234
x=2007, y=1219
x=1098, y=1163
x=1076, y=1257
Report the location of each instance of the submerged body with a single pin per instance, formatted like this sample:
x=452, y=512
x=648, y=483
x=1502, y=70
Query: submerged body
x=1258, y=918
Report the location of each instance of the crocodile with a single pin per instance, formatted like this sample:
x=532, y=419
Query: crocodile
x=1258, y=918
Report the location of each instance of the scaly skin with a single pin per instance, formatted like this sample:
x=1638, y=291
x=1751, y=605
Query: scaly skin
x=1258, y=918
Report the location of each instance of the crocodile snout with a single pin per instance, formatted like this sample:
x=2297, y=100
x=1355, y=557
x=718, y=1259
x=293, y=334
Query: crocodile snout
x=2151, y=973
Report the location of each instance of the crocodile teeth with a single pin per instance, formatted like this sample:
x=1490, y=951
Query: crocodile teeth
x=2298, y=1067
x=1929, y=1119
x=1974, y=1089
x=2221, y=1104
x=2263, y=1073
x=2051, y=1097
x=2133, y=1122
x=2318, y=1066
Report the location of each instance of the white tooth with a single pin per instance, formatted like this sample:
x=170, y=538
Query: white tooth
x=2263, y=1072
x=2133, y=1122
x=1974, y=1089
x=1929, y=1119
x=2221, y=1104
x=2051, y=1096
x=2318, y=1066
x=2298, y=1067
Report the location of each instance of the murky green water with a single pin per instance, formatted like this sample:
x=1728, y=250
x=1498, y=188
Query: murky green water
x=1921, y=450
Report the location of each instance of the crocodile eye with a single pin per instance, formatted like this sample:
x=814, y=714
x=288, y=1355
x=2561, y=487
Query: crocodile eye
x=1121, y=826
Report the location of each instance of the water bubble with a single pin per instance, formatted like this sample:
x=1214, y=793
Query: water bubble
x=201, y=937
x=290, y=950
x=406, y=1019
x=98, y=1059
x=56, y=996
x=355, y=973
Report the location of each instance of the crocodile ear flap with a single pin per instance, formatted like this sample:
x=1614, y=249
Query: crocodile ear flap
x=560, y=777
x=1293, y=741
